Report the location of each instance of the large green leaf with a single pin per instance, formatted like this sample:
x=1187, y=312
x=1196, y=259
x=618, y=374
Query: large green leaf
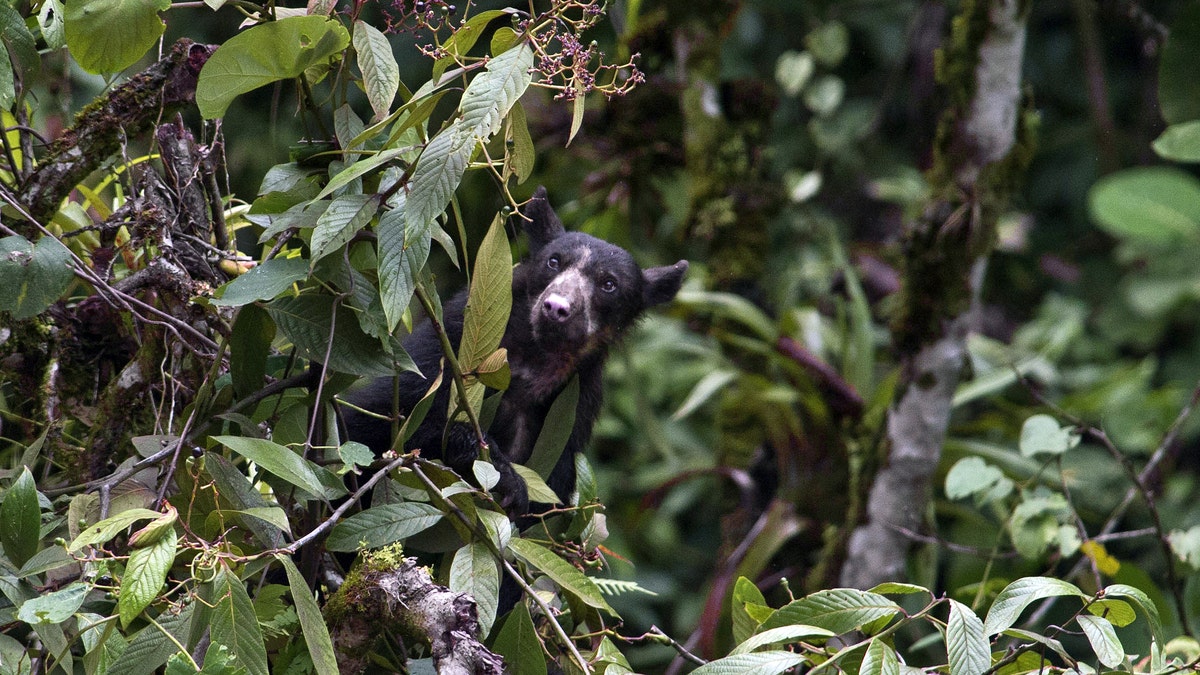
x=382, y=525
x=341, y=221
x=966, y=645
x=1180, y=142
x=249, y=347
x=21, y=49
x=1015, y=597
x=381, y=74
x=234, y=623
x=1143, y=602
x=305, y=320
x=1178, y=87
x=263, y=54
x=490, y=299
x=1103, y=638
x=783, y=634
x=439, y=171
x=150, y=647
x=109, y=527
x=880, y=659
x=519, y=644
x=562, y=572
x=55, y=607
x=474, y=571
x=106, y=36
x=745, y=592
x=282, y=462
x=263, y=282
x=840, y=610
x=493, y=92
x=145, y=574
x=403, y=251
x=556, y=430
x=32, y=276
x=1154, y=206
x=757, y=663
x=464, y=38
x=312, y=623
x=20, y=519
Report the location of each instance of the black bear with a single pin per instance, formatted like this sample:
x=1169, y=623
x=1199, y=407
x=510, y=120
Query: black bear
x=573, y=298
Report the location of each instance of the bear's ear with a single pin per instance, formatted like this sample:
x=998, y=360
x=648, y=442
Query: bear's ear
x=543, y=225
x=662, y=283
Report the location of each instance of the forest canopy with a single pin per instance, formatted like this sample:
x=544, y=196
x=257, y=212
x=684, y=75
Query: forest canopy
x=924, y=401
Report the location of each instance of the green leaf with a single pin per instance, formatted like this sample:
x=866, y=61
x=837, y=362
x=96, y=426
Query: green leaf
x=711, y=384
x=1041, y=434
x=576, y=115
x=52, y=23
x=263, y=282
x=110, y=527
x=880, y=659
x=829, y=43
x=1103, y=638
x=1186, y=545
x=840, y=610
x=439, y=171
x=489, y=300
x=971, y=476
x=1180, y=142
x=305, y=320
x=1018, y=595
x=21, y=48
x=359, y=169
x=312, y=623
x=966, y=645
x=150, y=647
x=1035, y=524
x=249, y=347
x=536, y=485
x=757, y=663
x=263, y=54
x=55, y=607
x=32, y=276
x=1118, y=612
x=1032, y=636
x=783, y=634
x=280, y=461
x=524, y=154
x=382, y=525
x=145, y=575
x=234, y=623
x=402, y=253
x=1178, y=88
x=519, y=644
x=493, y=92
x=272, y=515
x=898, y=588
x=381, y=74
x=107, y=36
x=562, y=572
x=474, y=571
x=343, y=219
x=1153, y=206
x=744, y=593
x=20, y=519
x=556, y=430
x=1143, y=602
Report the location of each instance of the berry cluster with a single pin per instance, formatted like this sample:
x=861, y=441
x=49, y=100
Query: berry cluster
x=565, y=63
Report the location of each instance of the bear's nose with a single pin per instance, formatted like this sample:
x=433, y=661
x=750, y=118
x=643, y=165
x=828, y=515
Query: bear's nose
x=556, y=307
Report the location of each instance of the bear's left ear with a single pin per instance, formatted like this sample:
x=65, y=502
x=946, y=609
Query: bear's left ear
x=662, y=283
x=543, y=225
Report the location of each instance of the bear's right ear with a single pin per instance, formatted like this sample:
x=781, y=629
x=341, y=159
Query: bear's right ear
x=543, y=225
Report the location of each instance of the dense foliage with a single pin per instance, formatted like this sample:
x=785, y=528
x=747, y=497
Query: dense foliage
x=181, y=310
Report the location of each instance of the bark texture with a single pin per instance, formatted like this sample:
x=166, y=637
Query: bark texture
x=129, y=110
x=406, y=601
x=946, y=257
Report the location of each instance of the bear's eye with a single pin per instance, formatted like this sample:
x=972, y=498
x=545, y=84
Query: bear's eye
x=608, y=286
x=552, y=263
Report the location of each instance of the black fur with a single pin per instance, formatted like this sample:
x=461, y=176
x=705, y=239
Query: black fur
x=548, y=341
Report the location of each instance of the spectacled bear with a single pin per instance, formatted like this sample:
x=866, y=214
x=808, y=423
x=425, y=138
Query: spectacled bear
x=573, y=298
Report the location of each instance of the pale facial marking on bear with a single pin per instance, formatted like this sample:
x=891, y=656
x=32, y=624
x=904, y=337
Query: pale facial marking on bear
x=569, y=293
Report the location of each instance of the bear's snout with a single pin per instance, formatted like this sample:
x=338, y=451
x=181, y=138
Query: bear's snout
x=556, y=307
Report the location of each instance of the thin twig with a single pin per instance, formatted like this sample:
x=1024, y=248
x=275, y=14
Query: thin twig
x=341, y=510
